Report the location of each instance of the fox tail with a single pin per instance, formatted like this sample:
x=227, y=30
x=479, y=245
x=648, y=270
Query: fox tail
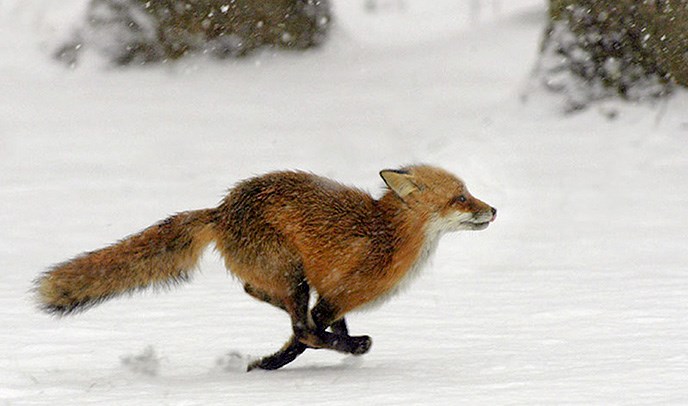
x=163, y=254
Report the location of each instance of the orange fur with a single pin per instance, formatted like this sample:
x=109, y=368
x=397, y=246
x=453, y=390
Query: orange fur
x=158, y=256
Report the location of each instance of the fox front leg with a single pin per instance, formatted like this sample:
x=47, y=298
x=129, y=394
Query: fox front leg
x=323, y=314
x=339, y=327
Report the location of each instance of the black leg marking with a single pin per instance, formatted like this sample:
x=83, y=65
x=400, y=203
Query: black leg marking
x=307, y=336
x=301, y=294
x=297, y=307
x=293, y=349
x=339, y=327
x=323, y=315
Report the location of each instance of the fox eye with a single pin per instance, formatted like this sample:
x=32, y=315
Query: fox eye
x=459, y=199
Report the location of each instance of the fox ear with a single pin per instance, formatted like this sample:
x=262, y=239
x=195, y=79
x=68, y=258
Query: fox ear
x=401, y=182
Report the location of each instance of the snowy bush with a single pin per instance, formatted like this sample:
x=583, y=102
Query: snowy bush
x=140, y=31
x=598, y=49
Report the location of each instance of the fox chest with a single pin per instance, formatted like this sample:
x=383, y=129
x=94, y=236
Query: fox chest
x=407, y=273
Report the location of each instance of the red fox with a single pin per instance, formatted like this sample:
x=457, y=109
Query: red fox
x=284, y=234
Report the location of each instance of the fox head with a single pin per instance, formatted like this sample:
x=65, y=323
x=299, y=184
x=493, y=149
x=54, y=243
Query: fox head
x=441, y=196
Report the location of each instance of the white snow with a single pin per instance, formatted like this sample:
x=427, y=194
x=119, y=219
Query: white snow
x=576, y=294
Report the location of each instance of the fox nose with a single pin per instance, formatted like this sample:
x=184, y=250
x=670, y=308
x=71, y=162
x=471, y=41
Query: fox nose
x=494, y=213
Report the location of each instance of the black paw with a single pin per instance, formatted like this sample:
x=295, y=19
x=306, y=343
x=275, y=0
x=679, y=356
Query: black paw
x=279, y=359
x=360, y=344
x=267, y=363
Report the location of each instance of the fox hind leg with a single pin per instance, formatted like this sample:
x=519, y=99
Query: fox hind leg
x=297, y=307
x=264, y=297
x=292, y=349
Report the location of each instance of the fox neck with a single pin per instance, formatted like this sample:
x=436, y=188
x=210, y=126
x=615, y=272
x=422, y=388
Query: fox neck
x=417, y=236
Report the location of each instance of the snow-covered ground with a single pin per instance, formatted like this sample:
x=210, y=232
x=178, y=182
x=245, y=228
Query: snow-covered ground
x=576, y=294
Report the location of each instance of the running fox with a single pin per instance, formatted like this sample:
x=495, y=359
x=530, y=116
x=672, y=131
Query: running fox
x=283, y=234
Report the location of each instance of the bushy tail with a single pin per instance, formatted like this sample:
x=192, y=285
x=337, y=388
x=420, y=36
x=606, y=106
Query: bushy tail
x=161, y=255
